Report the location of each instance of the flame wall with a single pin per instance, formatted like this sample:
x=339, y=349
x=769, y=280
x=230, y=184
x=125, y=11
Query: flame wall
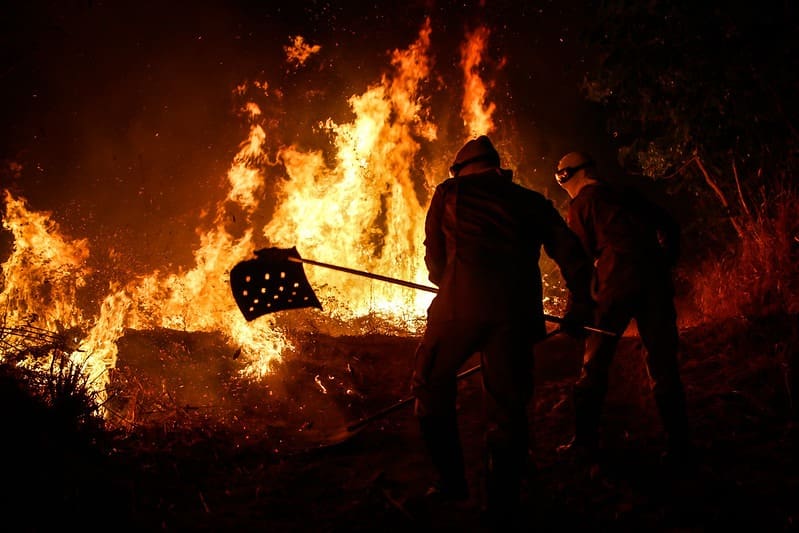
x=347, y=182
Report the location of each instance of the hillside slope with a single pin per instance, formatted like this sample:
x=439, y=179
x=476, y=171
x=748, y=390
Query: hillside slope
x=273, y=462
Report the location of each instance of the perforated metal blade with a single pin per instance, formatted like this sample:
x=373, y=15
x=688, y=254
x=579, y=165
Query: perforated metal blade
x=271, y=282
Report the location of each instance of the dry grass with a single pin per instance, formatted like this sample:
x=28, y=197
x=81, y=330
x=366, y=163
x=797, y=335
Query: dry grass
x=38, y=361
x=760, y=274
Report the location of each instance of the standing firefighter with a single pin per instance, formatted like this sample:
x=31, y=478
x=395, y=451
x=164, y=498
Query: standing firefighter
x=483, y=238
x=634, y=245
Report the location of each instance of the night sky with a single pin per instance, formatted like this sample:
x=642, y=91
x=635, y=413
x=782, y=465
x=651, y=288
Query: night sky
x=120, y=117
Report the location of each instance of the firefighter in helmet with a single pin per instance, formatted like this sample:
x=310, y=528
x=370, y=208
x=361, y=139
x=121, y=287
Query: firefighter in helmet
x=483, y=240
x=634, y=244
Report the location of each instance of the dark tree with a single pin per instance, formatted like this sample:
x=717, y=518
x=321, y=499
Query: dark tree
x=702, y=97
x=702, y=82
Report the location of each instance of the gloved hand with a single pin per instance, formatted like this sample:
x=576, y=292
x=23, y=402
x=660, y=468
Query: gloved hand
x=577, y=315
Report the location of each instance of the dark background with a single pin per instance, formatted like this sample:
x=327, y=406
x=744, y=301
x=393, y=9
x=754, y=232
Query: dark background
x=120, y=117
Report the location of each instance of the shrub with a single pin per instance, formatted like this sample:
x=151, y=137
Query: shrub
x=759, y=275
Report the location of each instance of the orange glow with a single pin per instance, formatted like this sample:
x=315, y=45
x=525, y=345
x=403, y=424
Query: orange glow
x=359, y=203
x=363, y=211
x=299, y=51
x=477, y=113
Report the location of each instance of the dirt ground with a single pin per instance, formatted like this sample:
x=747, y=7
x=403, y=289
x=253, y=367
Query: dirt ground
x=279, y=457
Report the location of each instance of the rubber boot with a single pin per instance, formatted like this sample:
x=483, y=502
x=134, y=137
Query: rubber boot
x=587, y=414
x=504, y=467
x=671, y=406
x=441, y=437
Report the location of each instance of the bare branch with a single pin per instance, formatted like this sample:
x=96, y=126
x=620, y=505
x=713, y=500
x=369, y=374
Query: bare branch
x=681, y=169
x=713, y=185
x=740, y=191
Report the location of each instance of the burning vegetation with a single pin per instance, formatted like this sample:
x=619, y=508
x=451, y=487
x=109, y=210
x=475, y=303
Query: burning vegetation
x=153, y=396
x=359, y=201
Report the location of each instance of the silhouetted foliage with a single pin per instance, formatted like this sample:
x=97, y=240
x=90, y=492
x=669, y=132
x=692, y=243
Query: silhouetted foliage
x=717, y=80
x=702, y=96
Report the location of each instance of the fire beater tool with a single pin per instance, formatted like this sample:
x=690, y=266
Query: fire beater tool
x=274, y=281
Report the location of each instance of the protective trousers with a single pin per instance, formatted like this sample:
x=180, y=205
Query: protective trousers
x=506, y=364
x=656, y=318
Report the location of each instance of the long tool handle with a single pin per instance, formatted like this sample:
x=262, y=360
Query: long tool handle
x=410, y=284
x=365, y=274
x=391, y=408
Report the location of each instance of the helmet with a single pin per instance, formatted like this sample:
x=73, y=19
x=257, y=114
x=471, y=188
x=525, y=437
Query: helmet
x=570, y=163
x=479, y=149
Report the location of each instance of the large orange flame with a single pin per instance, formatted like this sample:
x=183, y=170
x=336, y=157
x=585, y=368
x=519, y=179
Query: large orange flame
x=365, y=210
x=360, y=203
x=477, y=113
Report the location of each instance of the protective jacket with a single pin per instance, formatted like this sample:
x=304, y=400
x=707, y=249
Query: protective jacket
x=483, y=239
x=633, y=242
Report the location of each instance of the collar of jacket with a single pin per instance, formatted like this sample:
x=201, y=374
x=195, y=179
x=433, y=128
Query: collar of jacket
x=503, y=173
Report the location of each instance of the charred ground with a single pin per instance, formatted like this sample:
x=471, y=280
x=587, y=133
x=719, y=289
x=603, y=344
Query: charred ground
x=207, y=455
